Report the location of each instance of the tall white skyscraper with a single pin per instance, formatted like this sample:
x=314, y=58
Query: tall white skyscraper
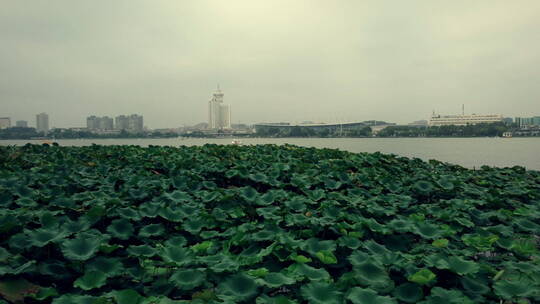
x=42, y=123
x=219, y=114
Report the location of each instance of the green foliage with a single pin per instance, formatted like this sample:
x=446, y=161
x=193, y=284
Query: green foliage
x=262, y=224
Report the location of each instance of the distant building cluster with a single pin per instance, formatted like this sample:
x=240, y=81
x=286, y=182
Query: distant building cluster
x=130, y=123
x=219, y=114
x=42, y=123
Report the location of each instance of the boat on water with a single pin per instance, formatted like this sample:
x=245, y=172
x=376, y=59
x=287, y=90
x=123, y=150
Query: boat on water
x=236, y=142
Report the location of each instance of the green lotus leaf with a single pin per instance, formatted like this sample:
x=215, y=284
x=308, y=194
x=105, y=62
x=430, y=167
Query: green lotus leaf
x=527, y=225
x=321, y=293
x=440, y=243
x=187, y=279
x=296, y=205
x=258, y=177
x=80, y=225
x=461, y=266
x=275, y=279
x=446, y=184
x=4, y=254
x=427, y=230
x=5, y=199
x=202, y=247
x=121, y=229
x=441, y=295
x=142, y=250
x=107, y=248
x=127, y=296
x=259, y=272
x=316, y=194
x=90, y=280
x=56, y=269
x=300, y=258
x=249, y=194
x=349, y=242
x=43, y=236
x=129, y=213
x=17, y=266
x=210, y=234
x=152, y=230
x=171, y=215
x=177, y=255
x=176, y=240
x=331, y=184
x=408, y=293
x=45, y=293
x=26, y=202
x=359, y=295
x=226, y=263
x=326, y=257
x=110, y=266
x=358, y=258
x=314, y=245
x=238, y=286
x=370, y=273
x=193, y=225
x=150, y=209
x=77, y=299
x=313, y=274
x=267, y=199
x=423, y=187
x=474, y=286
x=209, y=185
x=439, y=261
x=63, y=202
x=480, y=242
x=81, y=248
x=263, y=235
x=264, y=299
x=422, y=277
x=512, y=289
x=525, y=246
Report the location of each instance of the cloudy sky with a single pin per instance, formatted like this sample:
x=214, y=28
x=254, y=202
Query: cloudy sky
x=286, y=60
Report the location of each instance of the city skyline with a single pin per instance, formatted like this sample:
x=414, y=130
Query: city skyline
x=280, y=61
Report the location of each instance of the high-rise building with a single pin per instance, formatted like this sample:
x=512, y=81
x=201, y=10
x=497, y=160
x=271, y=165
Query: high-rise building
x=135, y=123
x=219, y=114
x=5, y=122
x=104, y=123
x=42, y=123
x=131, y=123
x=21, y=124
x=121, y=122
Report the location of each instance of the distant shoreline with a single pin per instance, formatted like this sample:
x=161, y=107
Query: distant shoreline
x=261, y=137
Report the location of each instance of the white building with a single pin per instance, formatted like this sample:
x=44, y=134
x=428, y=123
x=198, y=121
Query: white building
x=462, y=120
x=42, y=123
x=5, y=122
x=219, y=114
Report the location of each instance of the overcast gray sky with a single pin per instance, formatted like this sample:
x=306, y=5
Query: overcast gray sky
x=286, y=60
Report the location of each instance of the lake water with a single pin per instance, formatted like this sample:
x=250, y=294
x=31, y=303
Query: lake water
x=467, y=152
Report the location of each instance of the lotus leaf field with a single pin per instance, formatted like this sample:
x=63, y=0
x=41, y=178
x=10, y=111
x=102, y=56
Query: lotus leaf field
x=262, y=224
